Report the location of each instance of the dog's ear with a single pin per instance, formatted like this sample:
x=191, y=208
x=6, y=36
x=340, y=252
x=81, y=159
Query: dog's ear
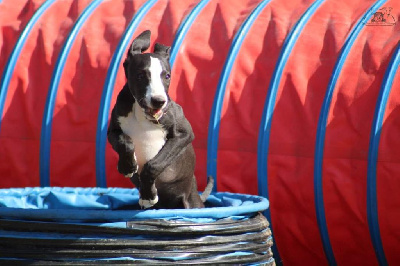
x=140, y=44
x=162, y=50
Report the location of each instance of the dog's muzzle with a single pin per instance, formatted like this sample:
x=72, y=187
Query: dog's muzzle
x=157, y=102
x=155, y=109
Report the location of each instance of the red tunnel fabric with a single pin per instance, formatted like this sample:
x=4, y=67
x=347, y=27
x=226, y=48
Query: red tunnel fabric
x=195, y=77
x=347, y=141
x=23, y=112
x=242, y=111
x=199, y=67
x=293, y=130
x=13, y=19
x=387, y=173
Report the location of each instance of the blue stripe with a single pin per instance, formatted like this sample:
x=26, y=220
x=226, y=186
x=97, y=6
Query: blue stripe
x=45, y=138
x=184, y=28
x=213, y=129
x=372, y=204
x=102, y=122
x=12, y=60
x=266, y=120
x=321, y=128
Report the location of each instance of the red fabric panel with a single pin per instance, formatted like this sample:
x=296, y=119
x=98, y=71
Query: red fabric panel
x=25, y=101
x=14, y=15
x=290, y=159
x=198, y=67
x=347, y=142
x=388, y=166
x=243, y=104
x=79, y=94
x=169, y=14
x=245, y=98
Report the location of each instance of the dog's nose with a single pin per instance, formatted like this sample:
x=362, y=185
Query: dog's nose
x=157, y=101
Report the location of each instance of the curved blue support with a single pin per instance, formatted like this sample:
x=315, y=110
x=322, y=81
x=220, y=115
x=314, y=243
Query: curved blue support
x=45, y=138
x=266, y=120
x=321, y=128
x=102, y=122
x=183, y=29
x=213, y=129
x=12, y=60
x=372, y=202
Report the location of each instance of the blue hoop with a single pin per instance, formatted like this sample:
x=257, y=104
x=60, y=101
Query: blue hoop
x=45, y=138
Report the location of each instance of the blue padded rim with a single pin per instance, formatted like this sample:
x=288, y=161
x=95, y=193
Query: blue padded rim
x=372, y=201
x=45, y=138
x=321, y=127
x=213, y=129
x=184, y=28
x=240, y=204
x=12, y=60
x=102, y=120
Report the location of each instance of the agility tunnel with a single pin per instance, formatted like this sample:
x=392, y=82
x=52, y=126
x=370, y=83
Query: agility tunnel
x=293, y=100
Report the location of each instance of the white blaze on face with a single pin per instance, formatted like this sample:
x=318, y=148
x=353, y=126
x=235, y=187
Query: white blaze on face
x=155, y=87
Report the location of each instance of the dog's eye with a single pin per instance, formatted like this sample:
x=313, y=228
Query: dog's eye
x=167, y=76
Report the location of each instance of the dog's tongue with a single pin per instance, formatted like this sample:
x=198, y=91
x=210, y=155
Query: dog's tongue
x=153, y=112
x=156, y=113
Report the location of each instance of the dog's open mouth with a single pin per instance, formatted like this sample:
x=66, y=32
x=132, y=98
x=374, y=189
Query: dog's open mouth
x=154, y=113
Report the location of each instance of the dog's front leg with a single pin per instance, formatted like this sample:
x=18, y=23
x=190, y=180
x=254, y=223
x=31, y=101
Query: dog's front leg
x=178, y=138
x=148, y=192
x=123, y=145
x=127, y=164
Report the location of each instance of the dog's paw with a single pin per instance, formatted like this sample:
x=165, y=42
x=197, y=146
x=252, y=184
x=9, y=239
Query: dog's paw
x=148, y=195
x=128, y=174
x=148, y=203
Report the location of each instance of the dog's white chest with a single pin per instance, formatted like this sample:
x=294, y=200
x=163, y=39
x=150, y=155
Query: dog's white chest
x=148, y=138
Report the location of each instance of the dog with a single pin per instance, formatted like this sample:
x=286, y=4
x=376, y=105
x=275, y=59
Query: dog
x=150, y=133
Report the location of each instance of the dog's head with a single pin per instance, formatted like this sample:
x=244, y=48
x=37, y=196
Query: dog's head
x=148, y=74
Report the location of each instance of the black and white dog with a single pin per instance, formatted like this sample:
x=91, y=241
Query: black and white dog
x=151, y=134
